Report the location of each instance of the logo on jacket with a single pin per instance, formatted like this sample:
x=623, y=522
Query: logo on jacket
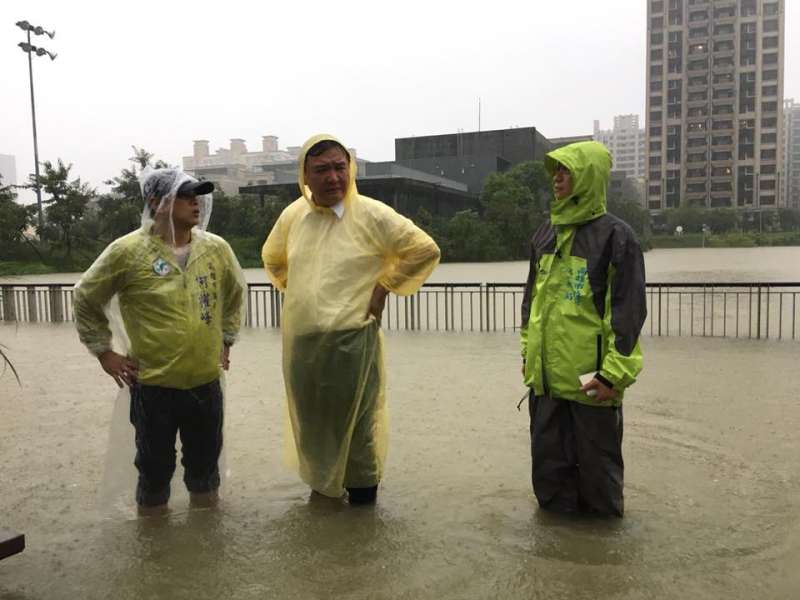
x=161, y=267
x=576, y=282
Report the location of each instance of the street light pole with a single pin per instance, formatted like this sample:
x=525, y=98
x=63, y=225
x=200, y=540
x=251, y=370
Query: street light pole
x=35, y=141
x=29, y=49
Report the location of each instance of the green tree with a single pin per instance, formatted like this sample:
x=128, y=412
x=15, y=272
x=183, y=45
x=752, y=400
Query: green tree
x=121, y=209
x=470, y=238
x=789, y=219
x=66, y=205
x=722, y=220
x=512, y=203
x=14, y=217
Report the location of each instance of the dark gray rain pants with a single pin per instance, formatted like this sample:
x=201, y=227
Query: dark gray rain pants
x=577, y=456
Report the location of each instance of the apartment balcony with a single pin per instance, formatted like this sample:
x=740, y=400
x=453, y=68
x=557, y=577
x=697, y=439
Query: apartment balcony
x=697, y=180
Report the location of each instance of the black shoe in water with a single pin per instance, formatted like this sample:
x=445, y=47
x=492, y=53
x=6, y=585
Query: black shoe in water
x=366, y=495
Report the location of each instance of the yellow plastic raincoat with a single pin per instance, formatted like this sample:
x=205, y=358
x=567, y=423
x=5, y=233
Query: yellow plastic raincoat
x=332, y=351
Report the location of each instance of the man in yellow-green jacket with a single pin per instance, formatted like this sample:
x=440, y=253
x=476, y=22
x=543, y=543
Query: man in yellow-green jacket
x=181, y=294
x=582, y=313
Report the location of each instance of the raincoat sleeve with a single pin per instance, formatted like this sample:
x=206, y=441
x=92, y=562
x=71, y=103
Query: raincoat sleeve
x=527, y=301
x=628, y=310
x=274, y=252
x=91, y=297
x=234, y=290
x=411, y=254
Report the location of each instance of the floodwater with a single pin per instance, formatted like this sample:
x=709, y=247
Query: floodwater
x=664, y=265
x=712, y=484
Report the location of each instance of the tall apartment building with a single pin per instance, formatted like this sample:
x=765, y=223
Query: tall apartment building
x=791, y=154
x=714, y=103
x=626, y=142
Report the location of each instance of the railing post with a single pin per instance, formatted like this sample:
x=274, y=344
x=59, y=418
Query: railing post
x=9, y=304
x=758, y=315
x=56, y=304
x=33, y=313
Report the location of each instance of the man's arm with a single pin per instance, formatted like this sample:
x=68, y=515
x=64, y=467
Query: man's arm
x=233, y=300
x=527, y=301
x=91, y=297
x=628, y=311
x=411, y=254
x=274, y=253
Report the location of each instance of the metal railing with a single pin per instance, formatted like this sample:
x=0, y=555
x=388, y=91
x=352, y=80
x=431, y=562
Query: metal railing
x=760, y=310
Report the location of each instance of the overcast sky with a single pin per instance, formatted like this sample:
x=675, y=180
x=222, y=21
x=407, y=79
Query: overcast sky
x=158, y=75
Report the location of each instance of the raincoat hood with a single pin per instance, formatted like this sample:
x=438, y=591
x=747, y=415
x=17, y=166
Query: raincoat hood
x=352, y=190
x=590, y=165
x=163, y=184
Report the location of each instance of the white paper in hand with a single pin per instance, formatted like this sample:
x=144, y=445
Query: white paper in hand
x=586, y=378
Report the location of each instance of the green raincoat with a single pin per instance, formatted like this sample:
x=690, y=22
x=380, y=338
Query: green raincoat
x=197, y=308
x=584, y=303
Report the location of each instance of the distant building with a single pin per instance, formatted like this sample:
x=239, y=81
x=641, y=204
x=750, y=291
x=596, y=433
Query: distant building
x=8, y=169
x=404, y=189
x=469, y=157
x=791, y=155
x=235, y=167
x=626, y=142
x=556, y=143
x=714, y=103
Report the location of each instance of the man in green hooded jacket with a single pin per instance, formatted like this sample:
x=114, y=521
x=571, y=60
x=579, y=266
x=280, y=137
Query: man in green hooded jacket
x=582, y=313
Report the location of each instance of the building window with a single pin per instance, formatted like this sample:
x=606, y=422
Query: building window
x=769, y=122
x=769, y=43
x=655, y=85
x=771, y=9
x=768, y=169
x=771, y=25
x=657, y=54
x=656, y=38
x=768, y=154
x=770, y=75
x=747, y=8
x=770, y=59
x=723, y=28
x=698, y=32
x=769, y=107
x=657, y=23
x=657, y=6
x=769, y=90
x=722, y=155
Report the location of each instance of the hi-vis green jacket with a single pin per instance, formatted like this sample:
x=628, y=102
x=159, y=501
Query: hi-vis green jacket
x=584, y=303
x=176, y=319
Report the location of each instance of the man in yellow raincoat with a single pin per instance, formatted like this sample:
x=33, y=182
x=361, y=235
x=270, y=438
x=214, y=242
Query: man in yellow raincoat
x=181, y=296
x=337, y=254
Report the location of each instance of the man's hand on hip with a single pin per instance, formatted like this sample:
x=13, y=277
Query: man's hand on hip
x=121, y=368
x=377, y=302
x=225, y=357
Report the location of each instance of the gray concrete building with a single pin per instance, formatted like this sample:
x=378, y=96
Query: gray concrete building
x=626, y=142
x=714, y=103
x=469, y=157
x=791, y=154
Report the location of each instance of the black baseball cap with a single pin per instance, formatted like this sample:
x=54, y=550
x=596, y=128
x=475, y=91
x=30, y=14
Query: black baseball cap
x=160, y=182
x=195, y=188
